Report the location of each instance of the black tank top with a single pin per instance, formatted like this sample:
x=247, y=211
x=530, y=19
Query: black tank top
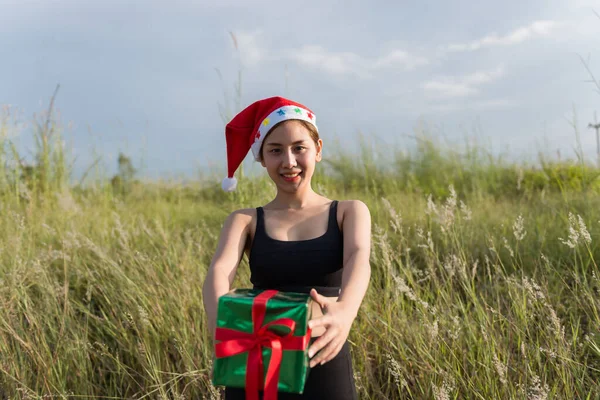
x=298, y=265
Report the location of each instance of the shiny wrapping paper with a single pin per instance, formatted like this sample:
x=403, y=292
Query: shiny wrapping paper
x=251, y=326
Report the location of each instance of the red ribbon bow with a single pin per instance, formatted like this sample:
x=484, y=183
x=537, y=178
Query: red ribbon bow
x=234, y=342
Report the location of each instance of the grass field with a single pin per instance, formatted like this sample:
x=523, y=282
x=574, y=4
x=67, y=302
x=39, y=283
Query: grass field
x=485, y=281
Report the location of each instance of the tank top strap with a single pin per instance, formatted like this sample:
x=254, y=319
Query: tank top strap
x=260, y=222
x=332, y=225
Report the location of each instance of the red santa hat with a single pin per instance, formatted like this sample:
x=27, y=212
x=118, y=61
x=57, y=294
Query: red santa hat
x=248, y=129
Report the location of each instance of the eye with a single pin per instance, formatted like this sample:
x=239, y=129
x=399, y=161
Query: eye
x=273, y=150
x=300, y=147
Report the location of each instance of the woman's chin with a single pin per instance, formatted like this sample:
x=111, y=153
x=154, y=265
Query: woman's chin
x=291, y=187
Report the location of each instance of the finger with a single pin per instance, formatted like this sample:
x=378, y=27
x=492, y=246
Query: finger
x=321, y=342
x=321, y=300
x=321, y=321
x=334, y=352
x=325, y=353
x=330, y=351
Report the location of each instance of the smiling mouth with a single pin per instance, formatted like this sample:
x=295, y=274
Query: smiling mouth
x=291, y=177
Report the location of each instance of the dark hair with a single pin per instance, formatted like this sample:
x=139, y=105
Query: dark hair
x=312, y=131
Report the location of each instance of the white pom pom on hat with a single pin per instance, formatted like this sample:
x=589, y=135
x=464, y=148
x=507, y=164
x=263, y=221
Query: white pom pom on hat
x=247, y=130
x=229, y=184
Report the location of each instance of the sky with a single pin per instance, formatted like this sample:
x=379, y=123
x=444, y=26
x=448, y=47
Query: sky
x=149, y=78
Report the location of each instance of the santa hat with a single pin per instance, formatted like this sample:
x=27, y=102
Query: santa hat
x=248, y=129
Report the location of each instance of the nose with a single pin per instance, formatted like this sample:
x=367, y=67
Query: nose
x=289, y=160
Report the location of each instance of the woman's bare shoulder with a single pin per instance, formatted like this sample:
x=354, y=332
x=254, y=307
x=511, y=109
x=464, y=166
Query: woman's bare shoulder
x=242, y=216
x=353, y=206
x=245, y=213
x=351, y=211
x=246, y=217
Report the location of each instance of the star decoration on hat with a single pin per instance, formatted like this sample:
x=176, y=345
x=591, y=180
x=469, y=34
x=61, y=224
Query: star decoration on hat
x=310, y=115
x=281, y=112
x=298, y=111
x=266, y=122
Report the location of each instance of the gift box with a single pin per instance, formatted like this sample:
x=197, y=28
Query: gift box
x=262, y=339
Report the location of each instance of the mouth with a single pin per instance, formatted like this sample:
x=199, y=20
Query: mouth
x=291, y=177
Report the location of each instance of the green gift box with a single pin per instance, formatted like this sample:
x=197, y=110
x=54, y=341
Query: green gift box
x=262, y=340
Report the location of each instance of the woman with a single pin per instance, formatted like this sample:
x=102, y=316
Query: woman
x=299, y=242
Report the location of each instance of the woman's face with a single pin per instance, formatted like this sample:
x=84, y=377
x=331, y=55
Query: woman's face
x=289, y=154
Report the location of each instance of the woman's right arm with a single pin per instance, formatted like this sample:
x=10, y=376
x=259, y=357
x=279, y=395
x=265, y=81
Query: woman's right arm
x=225, y=262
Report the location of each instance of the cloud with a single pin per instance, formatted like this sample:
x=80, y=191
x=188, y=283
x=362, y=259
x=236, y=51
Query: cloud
x=471, y=105
x=334, y=63
x=461, y=86
x=348, y=63
x=449, y=89
x=399, y=58
x=519, y=35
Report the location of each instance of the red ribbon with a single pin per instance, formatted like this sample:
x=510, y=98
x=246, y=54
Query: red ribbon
x=234, y=342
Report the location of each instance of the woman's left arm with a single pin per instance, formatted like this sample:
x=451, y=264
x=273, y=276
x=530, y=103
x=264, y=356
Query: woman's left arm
x=339, y=315
x=357, y=251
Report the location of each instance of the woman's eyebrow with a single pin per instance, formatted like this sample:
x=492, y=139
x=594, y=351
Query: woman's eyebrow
x=279, y=144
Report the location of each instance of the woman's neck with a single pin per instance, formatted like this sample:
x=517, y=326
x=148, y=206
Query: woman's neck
x=295, y=201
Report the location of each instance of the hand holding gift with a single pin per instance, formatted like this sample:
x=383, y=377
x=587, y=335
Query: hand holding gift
x=337, y=320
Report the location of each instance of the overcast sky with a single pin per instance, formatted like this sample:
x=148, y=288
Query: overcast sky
x=141, y=76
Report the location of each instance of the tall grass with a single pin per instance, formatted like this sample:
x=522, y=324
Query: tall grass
x=485, y=279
